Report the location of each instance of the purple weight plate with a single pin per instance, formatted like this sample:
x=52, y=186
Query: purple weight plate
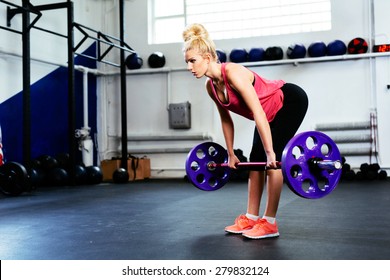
x=296, y=171
x=198, y=172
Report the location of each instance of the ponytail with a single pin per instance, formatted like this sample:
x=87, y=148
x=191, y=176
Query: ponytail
x=196, y=37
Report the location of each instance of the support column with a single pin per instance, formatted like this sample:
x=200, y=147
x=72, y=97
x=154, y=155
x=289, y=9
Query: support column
x=26, y=83
x=71, y=95
x=123, y=85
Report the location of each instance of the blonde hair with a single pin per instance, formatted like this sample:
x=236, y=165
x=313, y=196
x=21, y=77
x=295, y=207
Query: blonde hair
x=197, y=38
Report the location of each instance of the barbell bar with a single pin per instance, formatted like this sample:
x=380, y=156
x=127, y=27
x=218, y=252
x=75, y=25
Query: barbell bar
x=311, y=165
x=322, y=164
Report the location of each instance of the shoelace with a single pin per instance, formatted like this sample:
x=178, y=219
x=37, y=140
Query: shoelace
x=260, y=223
x=242, y=221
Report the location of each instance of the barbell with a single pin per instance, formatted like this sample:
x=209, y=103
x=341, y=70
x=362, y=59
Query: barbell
x=311, y=165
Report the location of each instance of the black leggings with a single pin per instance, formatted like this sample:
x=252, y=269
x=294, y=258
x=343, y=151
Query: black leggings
x=284, y=125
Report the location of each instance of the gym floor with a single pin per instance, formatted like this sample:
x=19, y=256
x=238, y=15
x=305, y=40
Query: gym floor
x=172, y=220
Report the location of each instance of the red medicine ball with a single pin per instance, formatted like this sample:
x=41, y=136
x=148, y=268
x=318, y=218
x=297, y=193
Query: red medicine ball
x=357, y=46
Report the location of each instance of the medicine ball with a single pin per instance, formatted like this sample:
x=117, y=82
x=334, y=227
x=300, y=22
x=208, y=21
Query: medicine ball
x=336, y=47
x=63, y=160
x=36, y=177
x=382, y=175
x=133, y=61
x=47, y=162
x=273, y=53
x=94, y=175
x=156, y=60
x=36, y=164
x=221, y=56
x=120, y=176
x=296, y=51
x=80, y=174
x=256, y=54
x=317, y=49
x=57, y=177
x=357, y=46
x=238, y=55
x=349, y=175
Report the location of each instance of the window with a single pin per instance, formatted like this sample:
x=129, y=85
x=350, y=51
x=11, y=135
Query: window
x=228, y=19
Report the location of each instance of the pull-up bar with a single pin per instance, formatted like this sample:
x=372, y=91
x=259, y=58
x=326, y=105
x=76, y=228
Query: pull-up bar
x=26, y=9
x=100, y=37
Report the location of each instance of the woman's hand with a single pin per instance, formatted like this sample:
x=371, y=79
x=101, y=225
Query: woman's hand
x=233, y=161
x=271, y=161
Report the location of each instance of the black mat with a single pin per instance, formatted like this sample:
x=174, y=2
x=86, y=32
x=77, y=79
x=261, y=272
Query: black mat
x=170, y=219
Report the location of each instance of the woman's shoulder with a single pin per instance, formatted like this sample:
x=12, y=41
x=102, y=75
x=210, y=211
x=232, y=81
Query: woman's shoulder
x=235, y=70
x=235, y=67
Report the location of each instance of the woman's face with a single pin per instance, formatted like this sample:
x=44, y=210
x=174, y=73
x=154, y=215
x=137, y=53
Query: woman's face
x=196, y=63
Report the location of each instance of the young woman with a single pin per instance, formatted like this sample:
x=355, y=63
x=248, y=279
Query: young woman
x=276, y=107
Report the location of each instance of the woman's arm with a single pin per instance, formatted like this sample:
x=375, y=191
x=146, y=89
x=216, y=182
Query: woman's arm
x=227, y=129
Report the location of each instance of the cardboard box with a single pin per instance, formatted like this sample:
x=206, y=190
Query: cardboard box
x=108, y=167
x=135, y=169
x=146, y=167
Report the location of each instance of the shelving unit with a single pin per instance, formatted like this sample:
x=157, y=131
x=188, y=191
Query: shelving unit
x=294, y=62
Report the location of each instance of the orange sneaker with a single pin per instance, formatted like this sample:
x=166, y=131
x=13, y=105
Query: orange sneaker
x=262, y=229
x=241, y=224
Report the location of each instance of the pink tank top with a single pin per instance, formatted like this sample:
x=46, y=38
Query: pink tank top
x=268, y=91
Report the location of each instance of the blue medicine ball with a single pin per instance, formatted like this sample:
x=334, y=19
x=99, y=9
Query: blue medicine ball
x=133, y=61
x=336, y=47
x=221, y=56
x=296, y=51
x=317, y=49
x=256, y=54
x=238, y=55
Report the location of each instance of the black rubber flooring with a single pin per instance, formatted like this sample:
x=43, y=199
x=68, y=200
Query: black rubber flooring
x=172, y=220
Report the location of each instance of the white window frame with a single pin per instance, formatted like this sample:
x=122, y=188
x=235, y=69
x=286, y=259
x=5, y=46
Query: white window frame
x=288, y=19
